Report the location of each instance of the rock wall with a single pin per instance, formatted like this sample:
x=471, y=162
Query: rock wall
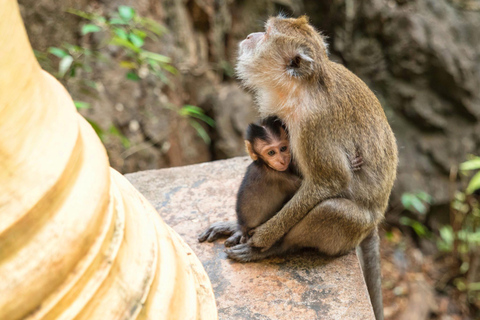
x=421, y=58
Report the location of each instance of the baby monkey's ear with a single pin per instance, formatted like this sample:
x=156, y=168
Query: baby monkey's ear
x=251, y=153
x=300, y=64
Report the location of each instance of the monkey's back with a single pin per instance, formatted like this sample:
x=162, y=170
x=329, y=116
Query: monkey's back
x=372, y=135
x=351, y=118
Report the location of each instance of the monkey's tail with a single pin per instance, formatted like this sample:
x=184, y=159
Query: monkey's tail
x=370, y=258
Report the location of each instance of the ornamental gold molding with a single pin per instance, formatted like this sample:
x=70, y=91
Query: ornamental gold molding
x=77, y=240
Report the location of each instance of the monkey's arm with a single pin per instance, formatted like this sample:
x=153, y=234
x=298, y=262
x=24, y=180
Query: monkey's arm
x=327, y=178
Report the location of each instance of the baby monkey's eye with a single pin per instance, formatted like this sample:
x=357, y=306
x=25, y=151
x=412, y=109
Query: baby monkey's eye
x=283, y=149
x=271, y=153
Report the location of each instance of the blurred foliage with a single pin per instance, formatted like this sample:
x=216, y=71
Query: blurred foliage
x=461, y=238
x=124, y=32
x=418, y=203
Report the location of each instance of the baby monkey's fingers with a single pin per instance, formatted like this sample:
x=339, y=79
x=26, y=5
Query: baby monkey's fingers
x=217, y=230
x=357, y=163
x=235, y=239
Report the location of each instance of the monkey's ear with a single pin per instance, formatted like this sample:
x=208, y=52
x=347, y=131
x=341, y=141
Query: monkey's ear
x=301, y=63
x=249, y=148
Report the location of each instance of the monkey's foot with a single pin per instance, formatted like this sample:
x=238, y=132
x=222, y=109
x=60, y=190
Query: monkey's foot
x=218, y=230
x=245, y=253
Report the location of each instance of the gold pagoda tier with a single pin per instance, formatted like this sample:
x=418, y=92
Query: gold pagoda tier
x=77, y=240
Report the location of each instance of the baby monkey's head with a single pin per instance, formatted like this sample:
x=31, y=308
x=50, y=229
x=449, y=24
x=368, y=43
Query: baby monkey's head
x=289, y=52
x=267, y=143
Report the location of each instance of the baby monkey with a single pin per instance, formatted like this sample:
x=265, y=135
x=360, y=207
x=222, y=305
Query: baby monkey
x=271, y=179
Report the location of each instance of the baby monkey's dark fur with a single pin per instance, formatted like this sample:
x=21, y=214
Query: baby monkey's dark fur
x=263, y=190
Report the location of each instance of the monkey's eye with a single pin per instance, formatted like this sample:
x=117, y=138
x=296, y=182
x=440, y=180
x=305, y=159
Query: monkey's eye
x=271, y=153
x=283, y=149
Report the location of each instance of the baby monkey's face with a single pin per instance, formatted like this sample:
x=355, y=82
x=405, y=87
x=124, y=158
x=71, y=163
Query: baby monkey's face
x=275, y=153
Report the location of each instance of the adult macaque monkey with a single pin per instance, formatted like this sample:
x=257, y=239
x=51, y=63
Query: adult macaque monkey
x=330, y=115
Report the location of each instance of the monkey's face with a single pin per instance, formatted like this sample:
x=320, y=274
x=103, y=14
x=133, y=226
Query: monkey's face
x=276, y=153
x=289, y=52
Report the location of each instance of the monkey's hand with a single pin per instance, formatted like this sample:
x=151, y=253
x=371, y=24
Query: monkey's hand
x=218, y=230
x=264, y=237
x=234, y=239
x=244, y=253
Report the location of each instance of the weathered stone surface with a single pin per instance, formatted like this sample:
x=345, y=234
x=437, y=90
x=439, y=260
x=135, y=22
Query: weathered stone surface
x=300, y=286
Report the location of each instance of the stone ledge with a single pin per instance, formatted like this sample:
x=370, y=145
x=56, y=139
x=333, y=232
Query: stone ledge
x=300, y=286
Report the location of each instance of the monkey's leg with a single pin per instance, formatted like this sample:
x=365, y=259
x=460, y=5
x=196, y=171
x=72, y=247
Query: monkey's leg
x=334, y=226
x=218, y=230
x=371, y=270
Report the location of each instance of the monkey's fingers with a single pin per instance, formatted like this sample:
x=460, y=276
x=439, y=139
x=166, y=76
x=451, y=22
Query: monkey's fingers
x=213, y=236
x=357, y=163
x=235, y=239
x=205, y=234
x=217, y=230
x=241, y=253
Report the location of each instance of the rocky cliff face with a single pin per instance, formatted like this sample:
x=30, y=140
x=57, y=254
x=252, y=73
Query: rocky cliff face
x=421, y=58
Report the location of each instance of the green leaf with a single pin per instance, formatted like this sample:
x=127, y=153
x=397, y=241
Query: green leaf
x=81, y=104
x=98, y=130
x=132, y=76
x=196, y=112
x=422, y=195
x=155, y=56
x=140, y=33
x=128, y=64
x=116, y=132
x=117, y=21
x=58, y=52
x=412, y=202
x=126, y=12
x=153, y=26
x=170, y=69
x=447, y=235
x=418, y=205
x=419, y=229
x=136, y=40
x=474, y=286
x=472, y=164
x=101, y=20
x=389, y=235
x=64, y=65
x=121, y=33
x=200, y=131
x=124, y=43
x=90, y=28
x=474, y=183
x=81, y=14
